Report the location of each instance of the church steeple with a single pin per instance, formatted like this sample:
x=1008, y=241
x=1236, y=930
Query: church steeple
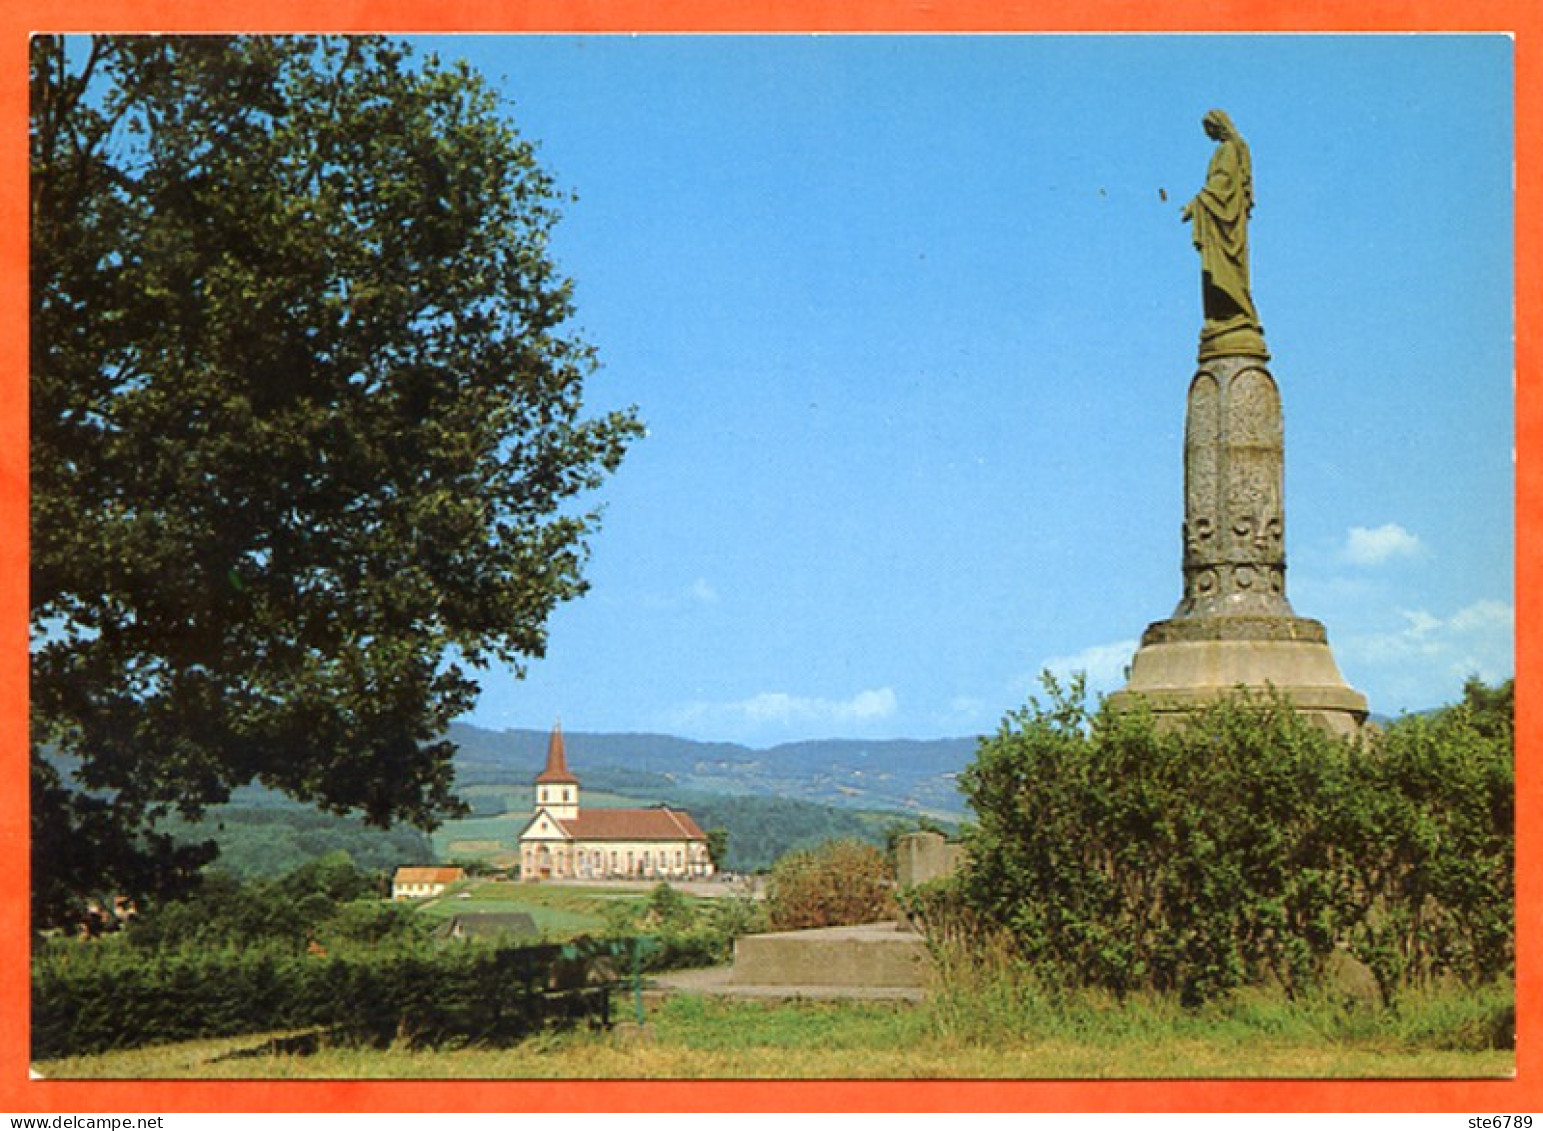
x=557, y=790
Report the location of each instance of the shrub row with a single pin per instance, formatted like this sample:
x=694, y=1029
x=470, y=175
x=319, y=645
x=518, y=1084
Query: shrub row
x=91, y=998
x=1246, y=846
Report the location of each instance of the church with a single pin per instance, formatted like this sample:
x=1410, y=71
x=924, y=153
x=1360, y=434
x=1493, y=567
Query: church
x=563, y=842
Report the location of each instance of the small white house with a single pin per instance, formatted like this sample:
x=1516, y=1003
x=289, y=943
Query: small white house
x=422, y=883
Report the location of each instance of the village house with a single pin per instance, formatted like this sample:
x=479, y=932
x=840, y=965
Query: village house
x=490, y=925
x=422, y=883
x=561, y=842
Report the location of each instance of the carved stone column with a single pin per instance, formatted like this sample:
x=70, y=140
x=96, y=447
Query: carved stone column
x=1234, y=494
x=1233, y=626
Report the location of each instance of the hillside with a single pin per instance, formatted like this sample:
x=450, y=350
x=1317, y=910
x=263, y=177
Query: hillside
x=904, y=775
x=769, y=801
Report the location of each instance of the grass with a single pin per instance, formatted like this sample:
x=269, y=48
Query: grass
x=699, y=1037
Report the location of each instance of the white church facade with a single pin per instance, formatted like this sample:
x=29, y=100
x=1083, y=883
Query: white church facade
x=564, y=842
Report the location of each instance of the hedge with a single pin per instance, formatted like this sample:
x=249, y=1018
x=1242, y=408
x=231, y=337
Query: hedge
x=1246, y=846
x=92, y=997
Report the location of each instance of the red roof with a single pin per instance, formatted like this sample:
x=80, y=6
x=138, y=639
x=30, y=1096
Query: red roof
x=428, y=875
x=556, y=761
x=662, y=823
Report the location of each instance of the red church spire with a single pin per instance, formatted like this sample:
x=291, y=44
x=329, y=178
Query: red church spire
x=556, y=761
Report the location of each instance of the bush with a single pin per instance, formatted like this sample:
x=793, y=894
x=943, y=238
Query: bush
x=1246, y=845
x=686, y=932
x=372, y=923
x=839, y=883
x=1435, y=849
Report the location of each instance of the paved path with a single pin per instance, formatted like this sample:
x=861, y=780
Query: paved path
x=737, y=886
x=716, y=980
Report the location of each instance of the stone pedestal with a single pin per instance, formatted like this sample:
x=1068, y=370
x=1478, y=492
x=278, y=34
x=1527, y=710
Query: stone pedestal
x=1183, y=664
x=874, y=955
x=1233, y=626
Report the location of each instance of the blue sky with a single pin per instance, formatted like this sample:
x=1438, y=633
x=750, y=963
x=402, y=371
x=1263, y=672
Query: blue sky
x=911, y=325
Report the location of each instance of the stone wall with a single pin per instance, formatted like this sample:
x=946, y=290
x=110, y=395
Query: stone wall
x=924, y=856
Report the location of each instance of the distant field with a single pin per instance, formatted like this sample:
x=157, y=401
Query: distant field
x=496, y=835
x=460, y=849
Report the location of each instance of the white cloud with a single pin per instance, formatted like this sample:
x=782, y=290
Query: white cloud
x=1369, y=547
x=967, y=706
x=780, y=708
x=682, y=598
x=1427, y=654
x=1104, y=664
x=1485, y=616
x=880, y=704
x=1421, y=626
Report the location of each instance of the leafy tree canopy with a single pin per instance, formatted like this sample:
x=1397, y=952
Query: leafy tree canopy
x=307, y=432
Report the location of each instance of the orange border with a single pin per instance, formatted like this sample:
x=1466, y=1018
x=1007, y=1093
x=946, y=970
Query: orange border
x=1522, y=18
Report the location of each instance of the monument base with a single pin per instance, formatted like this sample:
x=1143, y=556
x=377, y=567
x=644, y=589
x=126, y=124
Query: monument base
x=1187, y=662
x=872, y=955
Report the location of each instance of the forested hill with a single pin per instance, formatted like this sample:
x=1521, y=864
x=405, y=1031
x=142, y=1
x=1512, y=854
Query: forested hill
x=901, y=774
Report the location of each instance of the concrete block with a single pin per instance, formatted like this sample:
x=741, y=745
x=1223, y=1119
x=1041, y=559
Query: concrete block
x=875, y=954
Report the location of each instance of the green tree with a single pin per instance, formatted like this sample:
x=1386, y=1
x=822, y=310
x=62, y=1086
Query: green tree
x=718, y=846
x=307, y=433
x=1491, y=710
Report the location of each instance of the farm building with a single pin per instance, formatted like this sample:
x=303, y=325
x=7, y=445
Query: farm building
x=422, y=883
